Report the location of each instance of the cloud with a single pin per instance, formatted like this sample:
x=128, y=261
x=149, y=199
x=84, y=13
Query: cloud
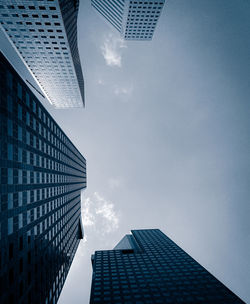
x=88, y=217
x=112, y=50
x=106, y=210
x=114, y=183
x=100, y=81
x=123, y=90
x=100, y=214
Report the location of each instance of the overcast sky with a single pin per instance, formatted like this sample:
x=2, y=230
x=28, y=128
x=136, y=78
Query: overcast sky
x=166, y=134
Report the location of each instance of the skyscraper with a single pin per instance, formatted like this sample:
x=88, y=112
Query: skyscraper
x=135, y=20
x=41, y=177
x=147, y=267
x=45, y=35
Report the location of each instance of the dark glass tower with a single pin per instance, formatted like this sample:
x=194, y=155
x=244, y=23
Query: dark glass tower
x=147, y=267
x=41, y=174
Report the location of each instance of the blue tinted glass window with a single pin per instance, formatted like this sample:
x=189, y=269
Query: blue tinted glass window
x=34, y=106
x=28, y=138
x=10, y=200
x=10, y=152
x=20, y=155
x=20, y=133
x=9, y=102
x=20, y=221
x=27, y=99
x=9, y=80
x=19, y=90
x=10, y=225
x=10, y=176
x=28, y=118
x=19, y=112
x=20, y=199
x=10, y=127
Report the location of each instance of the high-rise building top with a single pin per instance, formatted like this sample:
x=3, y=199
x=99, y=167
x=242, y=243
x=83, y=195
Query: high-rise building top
x=42, y=174
x=135, y=20
x=45, y=35
x=148, y=267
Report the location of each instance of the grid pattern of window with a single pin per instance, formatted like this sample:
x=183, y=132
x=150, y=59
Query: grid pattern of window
x=41, y=177
x=41, y=33
x=159, y=272
x=142, y=19
x=135, y=20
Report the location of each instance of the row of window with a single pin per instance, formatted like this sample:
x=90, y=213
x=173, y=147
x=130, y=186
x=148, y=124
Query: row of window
x=146, y=3
x=55, y=275
x=134, y=17
x=157, y=13
x=26, y=157
x=52, y=134
x=145, y=7
x=19, y=177
x=29, y=16
x=31, y=7
x=43, y=227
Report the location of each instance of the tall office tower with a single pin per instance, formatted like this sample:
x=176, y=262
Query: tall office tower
x=45, y=35
x=41, y=178
x=147, y=267
x=135, y=20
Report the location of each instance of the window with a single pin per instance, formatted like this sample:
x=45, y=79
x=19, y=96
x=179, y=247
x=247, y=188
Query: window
x=10, y=176
x=10, y=200
x=20, y=198
x=11, y=250
x=20, y=133
x=20, y=220
x=10, y=152
x=9, y=80
x=19, y=112
x=27, y=99
x=10, y=225
x=21, y=265
x=34, y=106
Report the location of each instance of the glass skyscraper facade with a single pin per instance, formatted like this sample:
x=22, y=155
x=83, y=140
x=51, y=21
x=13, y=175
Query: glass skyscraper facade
x=112, y=11
x=44, y=33
x=135, y=20
x=148, y=267
x=42, y=175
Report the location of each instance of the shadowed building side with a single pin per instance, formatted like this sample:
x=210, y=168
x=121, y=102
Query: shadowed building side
x=69, y=11
x=42, y=175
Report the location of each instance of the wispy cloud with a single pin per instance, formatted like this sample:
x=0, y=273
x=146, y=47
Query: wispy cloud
x=123, y=90
x=112, y=50
x=107, y=211
x=100, y=214
x=88, y=218
x=114, y=183
x=100, y=81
